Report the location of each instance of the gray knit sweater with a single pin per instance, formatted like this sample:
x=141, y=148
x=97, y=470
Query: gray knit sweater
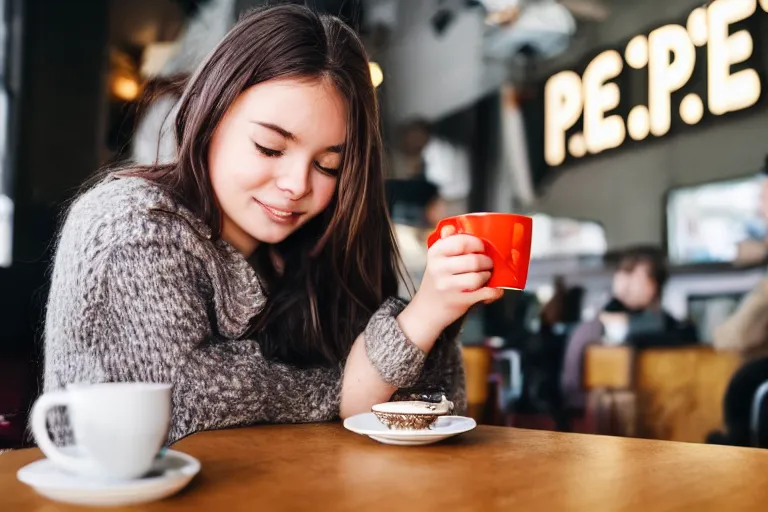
x=140, y=292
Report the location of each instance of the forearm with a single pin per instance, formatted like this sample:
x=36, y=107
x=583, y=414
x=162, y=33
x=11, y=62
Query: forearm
x=362, y=385
x=414, y=321
x=747, y=327
x=382, y=359
x=230, y=384
x=444, y=370
x=399, y=349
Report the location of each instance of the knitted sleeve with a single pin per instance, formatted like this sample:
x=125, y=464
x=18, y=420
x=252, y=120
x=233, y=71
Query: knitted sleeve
x=404, y=365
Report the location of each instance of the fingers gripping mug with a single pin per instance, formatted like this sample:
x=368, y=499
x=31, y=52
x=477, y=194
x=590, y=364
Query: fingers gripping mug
x=507, y=240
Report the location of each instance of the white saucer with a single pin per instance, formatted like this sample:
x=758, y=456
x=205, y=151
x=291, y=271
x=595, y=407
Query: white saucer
x=447, y=426
x=169, y=474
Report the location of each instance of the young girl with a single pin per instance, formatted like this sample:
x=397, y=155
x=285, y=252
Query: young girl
x=257, y=272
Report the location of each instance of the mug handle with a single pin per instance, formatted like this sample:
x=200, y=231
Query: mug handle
x=435, y=235
x=40, y=431
x=451, y=221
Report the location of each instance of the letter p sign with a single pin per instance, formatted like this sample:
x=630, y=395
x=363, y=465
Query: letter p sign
x=563, y=104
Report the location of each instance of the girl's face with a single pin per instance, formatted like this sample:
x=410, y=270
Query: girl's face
x=274, y=159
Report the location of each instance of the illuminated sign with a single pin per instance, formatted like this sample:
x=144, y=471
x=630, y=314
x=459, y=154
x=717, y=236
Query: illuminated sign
x=669, y=57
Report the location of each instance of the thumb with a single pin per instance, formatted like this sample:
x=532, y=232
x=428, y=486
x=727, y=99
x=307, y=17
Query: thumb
x=486, y=295
x=496, y=294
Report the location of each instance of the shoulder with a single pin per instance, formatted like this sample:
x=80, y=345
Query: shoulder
x=120, y=211
x=590, y=325
x=135, y=232
x=126, y=203
x=586, y=332
x=113, y=192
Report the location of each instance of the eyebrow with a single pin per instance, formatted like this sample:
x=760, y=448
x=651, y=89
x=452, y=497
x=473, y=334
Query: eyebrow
x=339, y=148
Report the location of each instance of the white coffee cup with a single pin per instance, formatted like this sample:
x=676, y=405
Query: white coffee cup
x=615, y=333
x=118, y=428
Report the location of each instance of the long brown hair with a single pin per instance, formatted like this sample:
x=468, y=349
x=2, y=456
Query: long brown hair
x=340, y=266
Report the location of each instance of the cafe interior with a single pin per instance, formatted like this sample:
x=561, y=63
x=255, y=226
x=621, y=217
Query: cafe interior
x=634, y=134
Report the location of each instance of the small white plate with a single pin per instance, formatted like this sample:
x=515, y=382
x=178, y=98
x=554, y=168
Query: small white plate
x=169, y=474
x=447, y=426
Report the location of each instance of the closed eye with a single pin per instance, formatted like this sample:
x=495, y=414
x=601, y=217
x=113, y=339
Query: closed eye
x=327, y=170
x=273, y=153
x=267, y=151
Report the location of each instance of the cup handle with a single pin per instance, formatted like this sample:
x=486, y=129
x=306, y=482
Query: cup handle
x=40, y=431
x=450, y=221
x=435, y=235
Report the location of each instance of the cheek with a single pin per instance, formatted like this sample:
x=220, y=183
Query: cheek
x=643, y=289
x=237, y=171
x=650, y=290
x=323, y=188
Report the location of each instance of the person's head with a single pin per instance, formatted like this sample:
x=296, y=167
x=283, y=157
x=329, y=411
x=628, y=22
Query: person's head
x=640, y=277
x=279, y=147
x=279, y=125
x=414, y=136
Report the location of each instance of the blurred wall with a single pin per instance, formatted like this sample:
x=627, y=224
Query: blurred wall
x=432, y=75
x=624, y=190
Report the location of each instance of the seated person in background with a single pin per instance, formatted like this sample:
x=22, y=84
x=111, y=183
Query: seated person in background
x=552, y=312
x=746, y=331
x=422, y=155
x=746, y=334
x=633, y=316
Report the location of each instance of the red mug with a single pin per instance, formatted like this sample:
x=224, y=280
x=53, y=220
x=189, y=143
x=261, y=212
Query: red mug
x=507, y=240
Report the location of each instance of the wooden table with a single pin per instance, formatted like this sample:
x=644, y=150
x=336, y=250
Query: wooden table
x=324, y=467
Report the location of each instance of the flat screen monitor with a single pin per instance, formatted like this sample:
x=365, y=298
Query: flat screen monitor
x=705, y=223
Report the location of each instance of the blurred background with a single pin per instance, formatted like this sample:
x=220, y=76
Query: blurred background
x=635, y=134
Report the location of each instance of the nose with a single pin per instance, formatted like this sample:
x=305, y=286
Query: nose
x=294, y=179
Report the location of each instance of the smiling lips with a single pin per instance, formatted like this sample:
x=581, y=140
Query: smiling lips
x=278, y=215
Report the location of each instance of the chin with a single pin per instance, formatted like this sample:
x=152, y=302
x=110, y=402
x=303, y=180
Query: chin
x=271, y=237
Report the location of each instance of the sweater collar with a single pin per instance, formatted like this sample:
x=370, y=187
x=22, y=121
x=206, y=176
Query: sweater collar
x=238, y=294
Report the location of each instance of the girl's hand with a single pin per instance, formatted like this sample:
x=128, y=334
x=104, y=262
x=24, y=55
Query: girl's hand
x=455, y=277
